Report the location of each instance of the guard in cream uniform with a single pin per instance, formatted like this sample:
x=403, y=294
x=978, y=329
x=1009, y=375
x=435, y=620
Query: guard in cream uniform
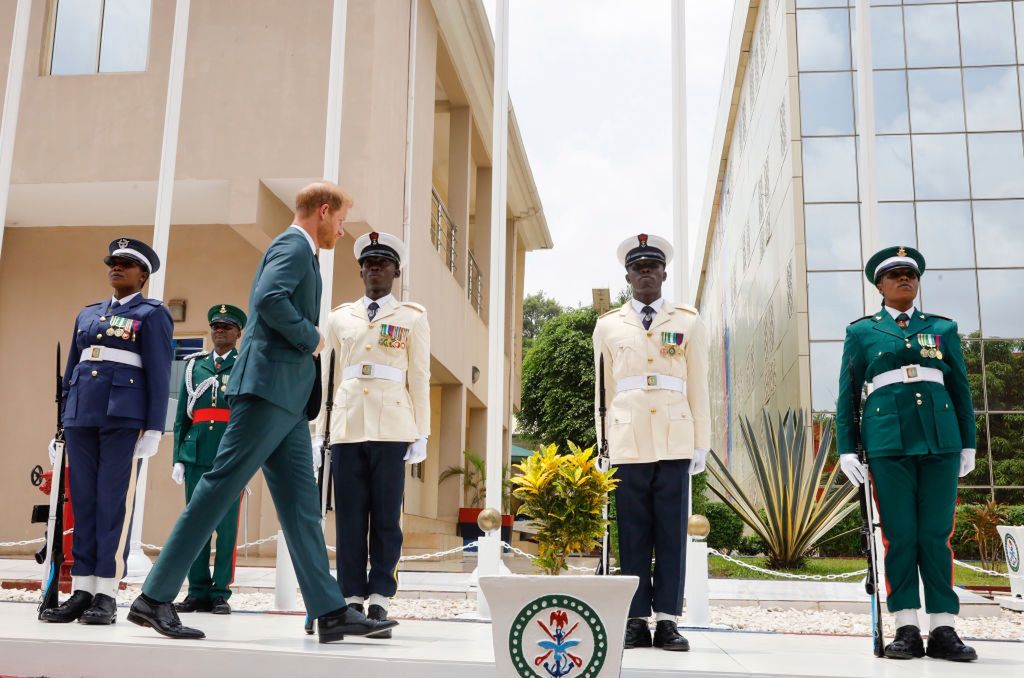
x=655, y=362
x=380, y=421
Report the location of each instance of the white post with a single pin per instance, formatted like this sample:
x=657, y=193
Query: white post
x=332, y=139
x=410, y=124
x=868, y=179
x=490, y=550
x=680, y=231
x=139, y=563
x=284, y=577
x=698, y=610
x=12, y=102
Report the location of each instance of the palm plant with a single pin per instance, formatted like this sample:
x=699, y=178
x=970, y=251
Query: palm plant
x=474, y=480
x=799, y=506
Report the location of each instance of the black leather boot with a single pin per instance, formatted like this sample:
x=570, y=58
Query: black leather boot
x=70, y=610
x=638, y=634
x=907, y=644
x=943, y=643
x=102, y=612
x=667, y=637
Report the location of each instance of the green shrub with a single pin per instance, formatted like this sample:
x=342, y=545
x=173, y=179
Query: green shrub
x=698, y=490
x=963, y=547
x=752, y=545
x=843, y=540
x=1015, y=515
x=726, y=526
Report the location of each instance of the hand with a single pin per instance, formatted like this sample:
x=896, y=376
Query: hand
x=854, y=470
x=318, y=443
x=148, y=444
x=178, y=473
x=319, y=346
x=417, y=451
x=699, y=461
x=966, y=461
x=52, y=449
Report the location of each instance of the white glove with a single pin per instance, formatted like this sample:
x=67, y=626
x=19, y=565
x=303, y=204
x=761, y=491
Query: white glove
x=52, y=449
x=699, y=461
x=966, y=461
x=178, y=473
x=318, y=442
x=148, y=444
x=417, y=451
x=854, y=470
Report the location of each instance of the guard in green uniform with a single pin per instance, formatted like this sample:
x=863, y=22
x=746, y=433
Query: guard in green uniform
x=919, y=432
x=198, y=427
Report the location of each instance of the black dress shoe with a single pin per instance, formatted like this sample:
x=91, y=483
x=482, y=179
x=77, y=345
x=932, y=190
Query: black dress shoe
x=638, y=634
x=68, y=611
x=193, y=604
x=943, y=643
x=162, y=618
x=220, y=606
x=667, y=637
x=334, y=625
x=102, y=612
x=378, y=613
x=907, y=644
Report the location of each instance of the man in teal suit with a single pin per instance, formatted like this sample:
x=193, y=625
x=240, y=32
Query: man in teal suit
x=271, y=385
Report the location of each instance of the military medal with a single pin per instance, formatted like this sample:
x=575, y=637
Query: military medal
x=120, y=327
x=929, y=346
x=671, y=344
x=110, y=331
x=392, y=336
x=938, y=344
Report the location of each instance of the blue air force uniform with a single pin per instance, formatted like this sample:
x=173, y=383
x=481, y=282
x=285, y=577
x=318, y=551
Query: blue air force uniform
x=115, y=388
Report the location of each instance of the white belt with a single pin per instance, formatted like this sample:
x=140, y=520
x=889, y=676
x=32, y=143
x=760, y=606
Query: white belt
x=651, y=382
x=114, y=355
x=373, y=371
x=907, y=374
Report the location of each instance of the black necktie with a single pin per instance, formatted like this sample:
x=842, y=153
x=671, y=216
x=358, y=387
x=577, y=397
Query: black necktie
x=114, y=305
x=371, y=310
x=903, y=320
x=648, y=314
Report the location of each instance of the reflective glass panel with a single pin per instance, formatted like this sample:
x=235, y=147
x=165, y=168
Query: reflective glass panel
x=945, y=232
x=986, y=33
x=1004, y=373
x=999, y=232
x=1006, y=438
x=891, y=102
x=936, y=101
x=972, y=358
x=826, y=358
x=832, y=236
x=979, y=476
x=991, y=98
x=76, y=37
x=896, y=224
x=1014, y=496
x=1002, y=304
x=895, y=179
x=953, y=294
x=826, y=103
x=997, y=165
x=1018, y=22
x=932, y=38
x=833, y=301
x=887, y=37
x=830, y=169
x=823, y=39
x=940, y=166
x=821, y=3
x=125, y=45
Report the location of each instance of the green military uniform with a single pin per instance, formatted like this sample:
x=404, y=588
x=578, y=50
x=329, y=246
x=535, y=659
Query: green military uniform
x=917, y=419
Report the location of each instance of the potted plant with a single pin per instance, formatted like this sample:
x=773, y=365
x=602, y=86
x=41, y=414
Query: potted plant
x=549, y=624
x=474, y=482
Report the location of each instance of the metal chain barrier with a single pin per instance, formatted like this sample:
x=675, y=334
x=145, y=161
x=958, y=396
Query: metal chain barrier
x=981, y=570
x=29, y=542
x=787, y=575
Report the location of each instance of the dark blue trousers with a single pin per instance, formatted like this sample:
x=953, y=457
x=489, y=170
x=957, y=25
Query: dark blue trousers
x=369, y=483
x=102, y=472
x=651, y=504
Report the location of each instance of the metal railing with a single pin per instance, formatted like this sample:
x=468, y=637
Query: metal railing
x=443, y=231
x=475, y=285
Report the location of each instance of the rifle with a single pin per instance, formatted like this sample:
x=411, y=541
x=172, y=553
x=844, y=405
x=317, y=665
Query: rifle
x=867, y=528
x=603, y=463
x=324, y=476
x=54, y=557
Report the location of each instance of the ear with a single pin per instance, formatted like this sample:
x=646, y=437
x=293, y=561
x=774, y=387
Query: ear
x=664, y=275
x=398, y=273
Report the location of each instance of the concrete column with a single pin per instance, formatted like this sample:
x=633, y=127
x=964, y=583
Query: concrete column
x=452, y=442
x=480, y=238
x=12, y=102
x=460, y=164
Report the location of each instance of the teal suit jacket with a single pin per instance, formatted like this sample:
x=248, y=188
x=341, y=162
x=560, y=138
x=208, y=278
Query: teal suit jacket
x=276, y=359
x=905, y=418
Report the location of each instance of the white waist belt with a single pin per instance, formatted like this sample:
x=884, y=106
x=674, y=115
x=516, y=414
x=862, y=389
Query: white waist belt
x=905, y=375
x=651, y=382
x=114, y=355
x=373, y=371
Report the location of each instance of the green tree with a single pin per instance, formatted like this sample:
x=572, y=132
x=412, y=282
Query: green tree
x=558, y=381
x=538, y=309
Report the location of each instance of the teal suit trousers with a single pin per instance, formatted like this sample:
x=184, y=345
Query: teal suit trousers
x=260, y=434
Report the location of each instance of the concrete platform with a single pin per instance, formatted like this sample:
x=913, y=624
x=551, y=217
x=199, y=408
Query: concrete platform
x=259, y=644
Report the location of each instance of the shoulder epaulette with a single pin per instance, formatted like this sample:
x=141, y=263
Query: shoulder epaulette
x=197, y=354
x=412, y=304
x=864, y=318
x=607, y=313
x=941, y=317
x=153, y=302
x=96, y=304
x=341, y=306
x=687, y=308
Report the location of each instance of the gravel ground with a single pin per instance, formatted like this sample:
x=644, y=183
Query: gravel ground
x=1007, y=626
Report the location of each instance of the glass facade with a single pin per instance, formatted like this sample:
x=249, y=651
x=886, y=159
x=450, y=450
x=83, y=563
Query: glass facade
x=950, y=165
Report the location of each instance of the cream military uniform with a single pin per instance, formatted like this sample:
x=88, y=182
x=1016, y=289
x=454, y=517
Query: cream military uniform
x=381, y=373
x=656, y=383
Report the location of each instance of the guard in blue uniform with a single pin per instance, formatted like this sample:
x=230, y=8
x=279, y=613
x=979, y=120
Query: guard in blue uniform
x=115, y=404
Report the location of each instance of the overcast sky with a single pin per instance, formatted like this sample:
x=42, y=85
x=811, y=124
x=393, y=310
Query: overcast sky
x=590, y=83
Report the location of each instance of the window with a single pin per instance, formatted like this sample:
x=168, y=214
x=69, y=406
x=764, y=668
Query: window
x=991, y=98
x=826, y=103
x=833, y=301
x=932, y=37
x=183, y=347
x=946, y=235
x=997, y=165
x=832, y=236
x=830, y=169
x=940, y=166
x=823, y=42
x=986, y=34
x=100, y=36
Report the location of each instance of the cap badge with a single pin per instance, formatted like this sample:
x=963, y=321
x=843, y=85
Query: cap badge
x=123, y=243
x=223, y=308
x=643, y=239
x=901, y=252
x=374, y=237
